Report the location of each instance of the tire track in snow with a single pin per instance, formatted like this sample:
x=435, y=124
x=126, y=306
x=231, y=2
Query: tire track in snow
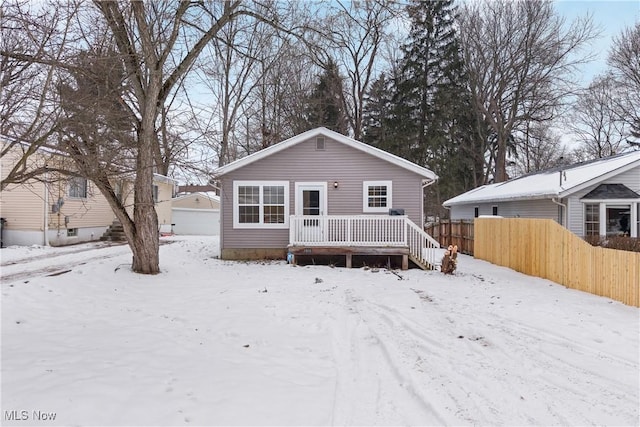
x=434, y=364
x=51, y=255
x=386, y=395
x=550, y=384
x=28, y=273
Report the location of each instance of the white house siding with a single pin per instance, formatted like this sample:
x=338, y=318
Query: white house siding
x=303, y=163
x=27, y=208
x=23, y=206
x=543, y=208
x=630, y=178
x=202, y=222
x=195, y=201
x=163, y=207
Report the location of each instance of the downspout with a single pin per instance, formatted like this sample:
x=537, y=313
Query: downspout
x=46, y=210
x=433, y=181
x=564, y=212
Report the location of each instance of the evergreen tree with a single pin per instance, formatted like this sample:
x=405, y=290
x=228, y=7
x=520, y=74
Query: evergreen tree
x=428, y=117
x=377, y=123
x=325, y=105
x=429, y=67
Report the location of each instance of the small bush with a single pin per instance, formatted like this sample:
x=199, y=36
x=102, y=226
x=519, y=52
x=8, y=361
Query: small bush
x=622, y=243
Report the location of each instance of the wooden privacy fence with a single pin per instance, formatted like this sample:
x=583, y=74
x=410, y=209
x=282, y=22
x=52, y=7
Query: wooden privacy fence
x=453, y=232
x=543, y=248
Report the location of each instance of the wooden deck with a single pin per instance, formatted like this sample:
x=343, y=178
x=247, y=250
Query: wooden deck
x=366, y=235
x=349, y=251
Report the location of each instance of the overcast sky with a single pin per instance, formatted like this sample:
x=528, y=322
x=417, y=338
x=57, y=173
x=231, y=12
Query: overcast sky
x=610, y=16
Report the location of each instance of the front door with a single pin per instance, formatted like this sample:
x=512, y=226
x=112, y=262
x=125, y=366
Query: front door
x=311, y=200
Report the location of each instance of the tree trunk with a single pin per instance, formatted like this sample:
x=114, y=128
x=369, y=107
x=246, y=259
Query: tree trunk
x=501, y=159
x=146, y=239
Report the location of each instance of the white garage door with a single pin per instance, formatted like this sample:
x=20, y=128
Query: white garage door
x=203, y=222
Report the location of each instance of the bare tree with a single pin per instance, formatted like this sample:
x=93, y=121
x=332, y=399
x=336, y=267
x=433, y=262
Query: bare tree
x=539, y=148
x=624, y=59
x=357, y=33
x=155, y=44
x=276, y=110
x=595, y=120
x=236, y=59
x=520, y=58
x=30, y=109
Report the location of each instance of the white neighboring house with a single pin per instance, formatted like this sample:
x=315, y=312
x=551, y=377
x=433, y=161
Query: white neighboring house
x=599, y=197
x=196, y=214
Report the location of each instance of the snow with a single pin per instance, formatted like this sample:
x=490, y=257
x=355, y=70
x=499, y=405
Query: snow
x=213, y=342
x=547, y=184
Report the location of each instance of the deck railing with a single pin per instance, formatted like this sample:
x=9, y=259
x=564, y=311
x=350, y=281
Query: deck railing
x=347, y=230
x=364, y=230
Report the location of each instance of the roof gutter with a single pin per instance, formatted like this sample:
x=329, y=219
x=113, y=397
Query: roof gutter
x=504, y=199
x=433, y=181
x=425, y=185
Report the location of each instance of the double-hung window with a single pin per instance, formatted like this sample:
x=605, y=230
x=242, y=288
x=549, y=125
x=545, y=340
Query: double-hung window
x=376, y=196
x=261, y=204
x=592, y=219
x=78, y=187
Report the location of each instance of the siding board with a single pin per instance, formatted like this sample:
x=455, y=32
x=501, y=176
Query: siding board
x=25, y=208
x=303, y=163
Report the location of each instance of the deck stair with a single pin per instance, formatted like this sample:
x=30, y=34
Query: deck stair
x=424, y=250
x=115, y=232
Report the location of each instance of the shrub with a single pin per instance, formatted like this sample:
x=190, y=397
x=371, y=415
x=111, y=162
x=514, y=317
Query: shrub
x=622, y=243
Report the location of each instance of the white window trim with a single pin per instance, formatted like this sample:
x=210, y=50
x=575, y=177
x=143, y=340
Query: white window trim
x=612, y=203
x=261, y=184
x=365, y=196
x=86, y=189
x=323, y=202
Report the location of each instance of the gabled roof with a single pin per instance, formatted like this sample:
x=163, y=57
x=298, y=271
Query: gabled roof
x=53, y=151
x=557, y=182
x=611, y=191
x=205, y=195
x=350, y=142
x=163, y=178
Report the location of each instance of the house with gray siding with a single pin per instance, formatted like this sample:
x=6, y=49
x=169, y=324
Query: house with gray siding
x=595, y=198
x=321, y=192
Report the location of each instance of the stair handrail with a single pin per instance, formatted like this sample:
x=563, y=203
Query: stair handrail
x=422, y=246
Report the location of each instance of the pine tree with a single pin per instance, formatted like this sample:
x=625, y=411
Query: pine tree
x=377, y=129
x=325, y=106
x=429, y=116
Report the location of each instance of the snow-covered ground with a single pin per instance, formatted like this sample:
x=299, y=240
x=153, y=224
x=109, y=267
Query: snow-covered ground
x=211, y=342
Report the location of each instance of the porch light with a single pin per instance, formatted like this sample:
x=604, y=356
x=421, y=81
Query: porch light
x=335, y=184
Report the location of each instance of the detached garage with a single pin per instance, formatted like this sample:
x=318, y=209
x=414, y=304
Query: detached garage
x=196, y=214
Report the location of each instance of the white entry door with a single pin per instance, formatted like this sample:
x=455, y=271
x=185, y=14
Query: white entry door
x=311, y=200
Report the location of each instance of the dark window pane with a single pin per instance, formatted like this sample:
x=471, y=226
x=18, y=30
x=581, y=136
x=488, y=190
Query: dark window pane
x=249, y=214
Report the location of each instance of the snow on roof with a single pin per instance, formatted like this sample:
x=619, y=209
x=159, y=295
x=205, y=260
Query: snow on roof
x=376, y=152
x=556, y=182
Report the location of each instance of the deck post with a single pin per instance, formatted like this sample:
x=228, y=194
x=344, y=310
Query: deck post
x=292, y=226
x=404, y=230
x=405, y=262
x=348, y=260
